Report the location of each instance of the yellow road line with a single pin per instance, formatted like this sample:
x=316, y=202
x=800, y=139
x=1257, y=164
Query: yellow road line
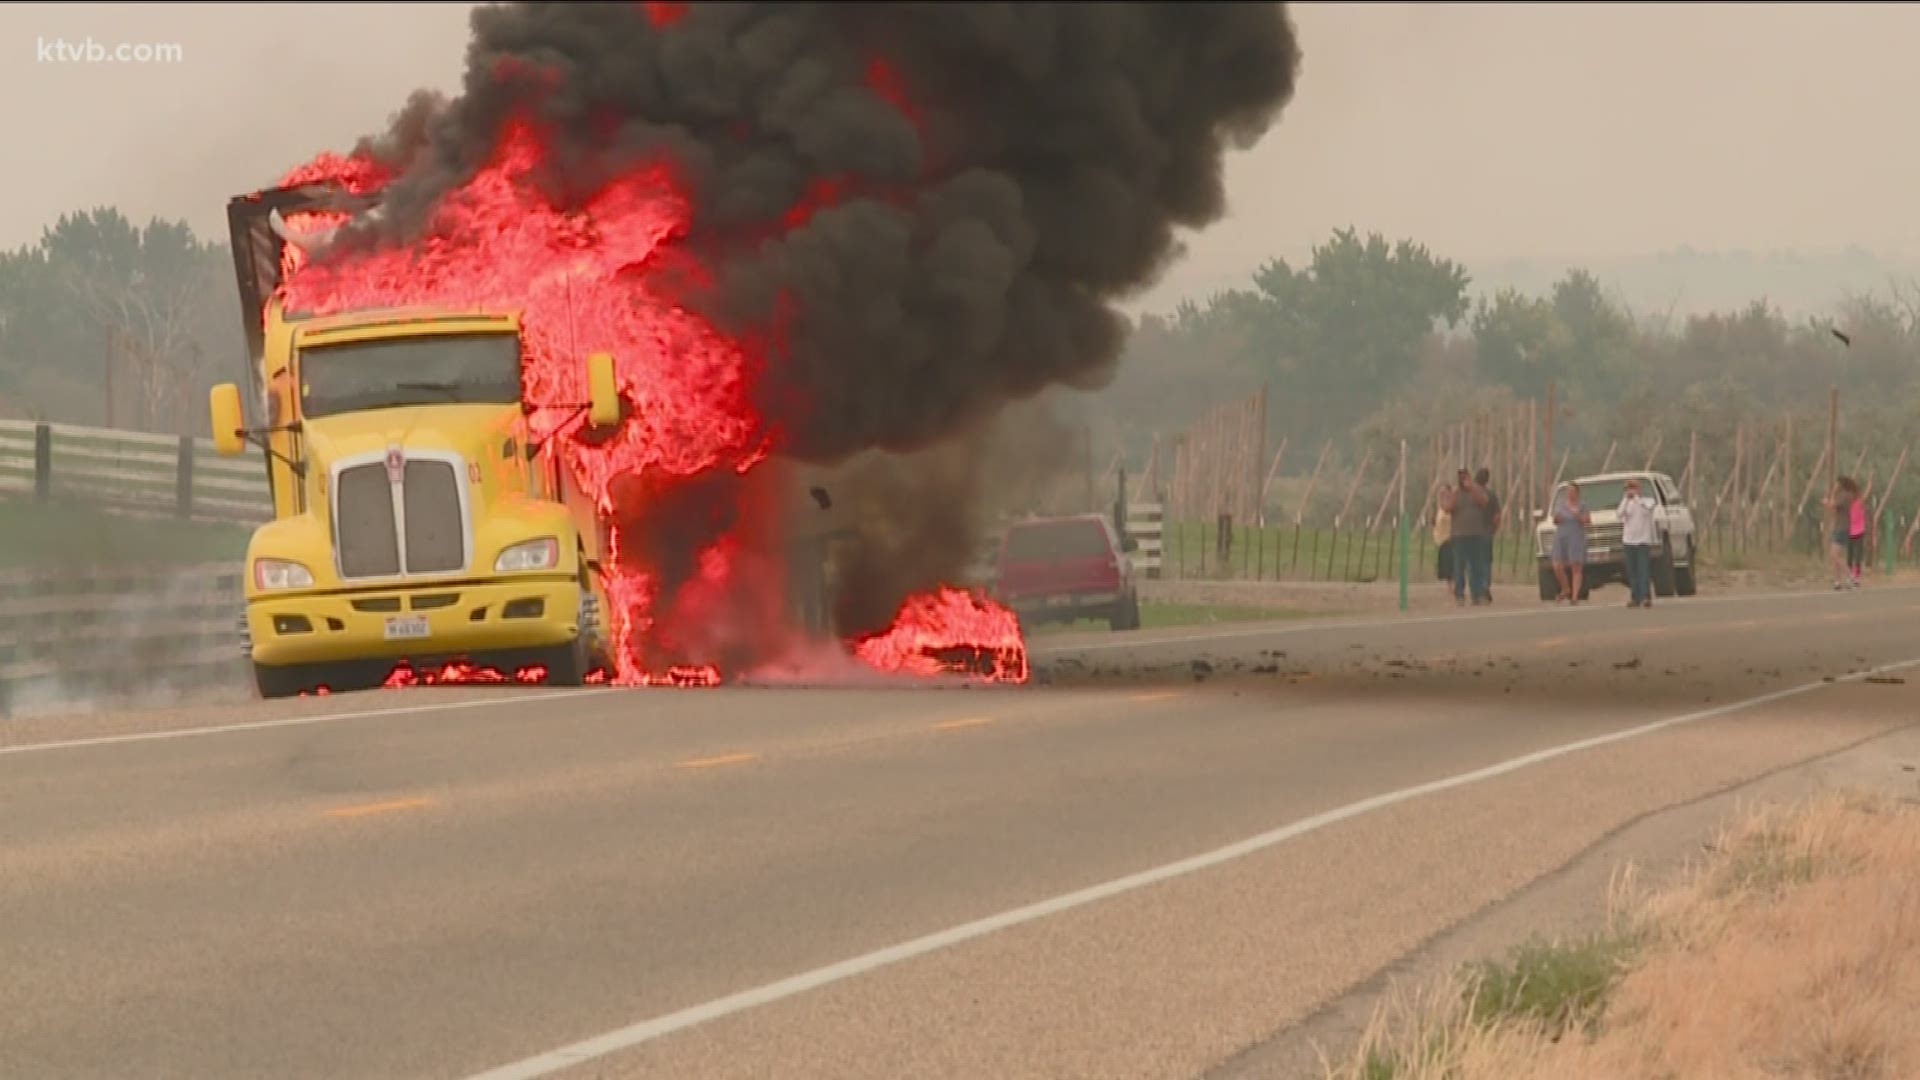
x=1157, y=695
x=388, y=807
x=967, y=722
x=723, y=759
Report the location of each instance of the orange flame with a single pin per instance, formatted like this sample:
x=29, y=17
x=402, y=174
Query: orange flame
x=599, y=279
x=583, y=282
x=462, y=672
x=950, y=631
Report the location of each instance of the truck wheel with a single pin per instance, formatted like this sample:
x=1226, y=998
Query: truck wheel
x=1126, y=616
x=1683, y=580
x=297, y=679
x=1549, y=586
x=568, y=665
x=1663, y=571
x=280, y=682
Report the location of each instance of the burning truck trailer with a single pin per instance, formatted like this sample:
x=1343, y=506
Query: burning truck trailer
x=449, y=505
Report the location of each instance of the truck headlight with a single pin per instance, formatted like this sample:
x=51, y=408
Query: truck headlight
x=541, y=554
x=281, y=574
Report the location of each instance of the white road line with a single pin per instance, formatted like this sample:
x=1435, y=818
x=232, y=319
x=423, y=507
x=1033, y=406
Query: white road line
x=1291, y=628
x=291, y=721
x=648, y=1030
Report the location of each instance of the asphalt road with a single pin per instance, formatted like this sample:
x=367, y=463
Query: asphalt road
x=1168, y=848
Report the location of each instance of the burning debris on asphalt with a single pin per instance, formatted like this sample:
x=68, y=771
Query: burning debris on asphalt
x=805, y=232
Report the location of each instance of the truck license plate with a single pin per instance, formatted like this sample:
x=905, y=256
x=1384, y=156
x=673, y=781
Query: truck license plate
x=408, y=628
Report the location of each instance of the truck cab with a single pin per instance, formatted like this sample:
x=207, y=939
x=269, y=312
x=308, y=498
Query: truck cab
x=1674, y=553
x=421, y=516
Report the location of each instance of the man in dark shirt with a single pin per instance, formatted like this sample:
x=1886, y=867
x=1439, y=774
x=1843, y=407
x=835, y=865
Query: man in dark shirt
x=1483, y=478
x=1472, y=529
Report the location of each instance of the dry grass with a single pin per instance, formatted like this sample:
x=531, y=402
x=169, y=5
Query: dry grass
x=1792, y=950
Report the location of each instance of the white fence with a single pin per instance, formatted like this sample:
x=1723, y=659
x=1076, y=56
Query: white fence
x=1144, y=524
x=136, y=635
x=132, y=470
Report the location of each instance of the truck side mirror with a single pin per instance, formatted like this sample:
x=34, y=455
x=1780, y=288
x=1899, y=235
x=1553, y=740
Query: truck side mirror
x=228, y=420
x=603, y=392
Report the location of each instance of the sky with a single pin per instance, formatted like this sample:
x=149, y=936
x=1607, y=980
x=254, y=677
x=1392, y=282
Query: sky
x=1489, y=132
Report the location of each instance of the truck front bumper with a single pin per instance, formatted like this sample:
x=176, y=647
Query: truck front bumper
x=440, y=620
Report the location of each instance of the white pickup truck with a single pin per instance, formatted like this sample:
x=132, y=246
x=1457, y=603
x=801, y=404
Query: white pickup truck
x=1673, y=555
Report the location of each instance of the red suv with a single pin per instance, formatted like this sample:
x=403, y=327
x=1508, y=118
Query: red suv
x=1062, y=569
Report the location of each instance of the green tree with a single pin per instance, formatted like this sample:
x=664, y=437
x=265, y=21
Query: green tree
x=1350, y=324
x=156, y=303
x=1521, y=342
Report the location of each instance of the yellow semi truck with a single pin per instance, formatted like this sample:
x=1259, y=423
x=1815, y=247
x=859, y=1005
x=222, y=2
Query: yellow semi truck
x=416, y=518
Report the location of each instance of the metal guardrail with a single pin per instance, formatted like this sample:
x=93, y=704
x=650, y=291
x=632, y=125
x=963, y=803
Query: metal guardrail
x=133, y=470
x=118, y=633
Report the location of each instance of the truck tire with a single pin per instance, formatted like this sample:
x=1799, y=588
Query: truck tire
x=297, y=679
x=568, y=665
x=1126, y=616
x=1683, y=579
x=279, y=682
x=1663, y=571
x=1549, y=586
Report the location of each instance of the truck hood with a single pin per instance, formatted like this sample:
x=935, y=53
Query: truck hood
x=485, y=435
x=1608, y=516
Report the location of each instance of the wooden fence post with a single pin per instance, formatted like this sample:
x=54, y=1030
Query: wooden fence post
x=42, y=462
x=1354, y=488
x=1306, y=498
x=183, y=478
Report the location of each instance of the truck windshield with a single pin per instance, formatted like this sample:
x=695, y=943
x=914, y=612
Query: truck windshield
x=432, y=369
x=1056, y=541
x=1604, y=494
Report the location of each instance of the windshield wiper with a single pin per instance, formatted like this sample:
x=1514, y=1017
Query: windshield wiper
x=451, y=389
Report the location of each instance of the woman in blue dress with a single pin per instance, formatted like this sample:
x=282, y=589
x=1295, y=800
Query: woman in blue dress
x=1570, y=521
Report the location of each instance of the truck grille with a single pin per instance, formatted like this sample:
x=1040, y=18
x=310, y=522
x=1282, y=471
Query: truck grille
x=364, y=527
x=430, y=528
x=436, y=540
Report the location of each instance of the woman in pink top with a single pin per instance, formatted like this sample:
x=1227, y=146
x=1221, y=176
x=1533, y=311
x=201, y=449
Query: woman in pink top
x=1856, y=530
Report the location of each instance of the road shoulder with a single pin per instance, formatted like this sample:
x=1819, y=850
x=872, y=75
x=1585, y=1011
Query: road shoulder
x=1572, y=900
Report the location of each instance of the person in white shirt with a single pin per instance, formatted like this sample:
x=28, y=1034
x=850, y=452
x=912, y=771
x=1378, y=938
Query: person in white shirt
x=1637, y=537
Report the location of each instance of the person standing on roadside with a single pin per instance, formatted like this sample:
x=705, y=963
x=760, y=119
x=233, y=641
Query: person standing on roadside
x=1443, y=535
x=1495, y=511
x=1856, y=531
x=1570, y=521
x=1637, y=536
x=1839, y=505
x=1471, y=526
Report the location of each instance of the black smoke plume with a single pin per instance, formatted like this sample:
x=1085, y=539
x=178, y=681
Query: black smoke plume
x=936, y=204
x=983, y=179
